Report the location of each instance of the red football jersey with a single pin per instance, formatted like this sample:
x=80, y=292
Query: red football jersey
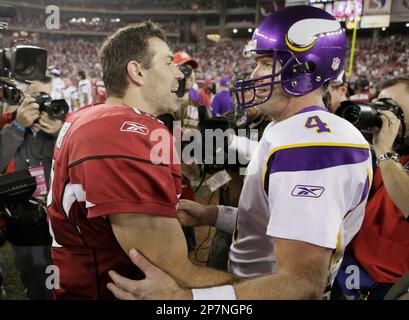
x=381, y=245
x=102, y=166
x=100, y=91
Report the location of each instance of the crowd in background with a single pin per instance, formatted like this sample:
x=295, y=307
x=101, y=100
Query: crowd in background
x=374, y=60
x=382, y=59
x=218, y=62
x=130, y=4
x=26, y=21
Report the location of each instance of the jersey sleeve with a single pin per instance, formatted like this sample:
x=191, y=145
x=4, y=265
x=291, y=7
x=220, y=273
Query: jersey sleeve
x=111, y=170
x=312, y=189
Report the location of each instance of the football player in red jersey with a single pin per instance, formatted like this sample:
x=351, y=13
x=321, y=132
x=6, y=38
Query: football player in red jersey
x=99, y=91
x=107, y=193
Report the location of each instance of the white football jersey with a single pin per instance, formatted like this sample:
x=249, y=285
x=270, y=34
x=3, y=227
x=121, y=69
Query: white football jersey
x=57, y=87
x=308, y=180
x=69, y=96
x=84, y=88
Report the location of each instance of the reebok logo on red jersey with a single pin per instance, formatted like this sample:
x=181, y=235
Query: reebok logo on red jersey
x=130, y=126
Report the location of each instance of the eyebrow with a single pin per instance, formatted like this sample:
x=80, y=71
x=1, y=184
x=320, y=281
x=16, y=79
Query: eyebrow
x=261, y=57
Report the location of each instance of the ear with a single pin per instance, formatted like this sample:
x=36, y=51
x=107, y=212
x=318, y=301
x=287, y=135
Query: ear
x=135, y=72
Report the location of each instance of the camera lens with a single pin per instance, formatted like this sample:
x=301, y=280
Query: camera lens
x=28, y=62
x=11, y=95
x=24, y=67
x=352, y=114
x=56, y=111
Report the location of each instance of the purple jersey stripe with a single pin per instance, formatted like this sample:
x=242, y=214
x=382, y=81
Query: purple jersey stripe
x=363, y=197
x=365, y=191
x=312, y=108
x=312, y=158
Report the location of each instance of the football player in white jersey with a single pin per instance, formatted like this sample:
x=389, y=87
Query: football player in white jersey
x=306, y=185
x=84, y=89
x=57, y=84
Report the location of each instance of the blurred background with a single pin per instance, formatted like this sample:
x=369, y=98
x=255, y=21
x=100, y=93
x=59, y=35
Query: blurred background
x=214, y=33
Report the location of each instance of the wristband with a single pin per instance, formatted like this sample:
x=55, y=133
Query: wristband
x=19, y=127
x=215, y=293
x=226, y=218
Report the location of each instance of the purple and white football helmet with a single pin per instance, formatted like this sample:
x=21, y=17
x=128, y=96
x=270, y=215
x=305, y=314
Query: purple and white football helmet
x=308, y=42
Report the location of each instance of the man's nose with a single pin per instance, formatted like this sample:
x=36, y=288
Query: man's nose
x=255, y=73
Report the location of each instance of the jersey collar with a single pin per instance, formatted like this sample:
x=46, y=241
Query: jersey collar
x=312, y=108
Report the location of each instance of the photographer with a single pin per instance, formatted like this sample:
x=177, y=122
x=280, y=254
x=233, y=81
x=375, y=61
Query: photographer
x=189, y=115
x=28, y=143
x=380, y=249
x=337, y=92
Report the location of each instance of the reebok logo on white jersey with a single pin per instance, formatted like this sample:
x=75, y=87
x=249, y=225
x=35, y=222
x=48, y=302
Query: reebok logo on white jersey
x=130, y=126
x=307, y=191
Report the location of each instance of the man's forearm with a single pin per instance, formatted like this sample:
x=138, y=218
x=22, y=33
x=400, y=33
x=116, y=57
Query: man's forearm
x=200, y=277
x=280, y=286
x=396, y=181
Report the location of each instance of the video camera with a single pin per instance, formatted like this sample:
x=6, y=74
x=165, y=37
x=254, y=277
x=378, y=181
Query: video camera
x=20, y=64
x=233, y=120
x=25, y=216
x=56, y=109
x=366, y=115
x=16, y=187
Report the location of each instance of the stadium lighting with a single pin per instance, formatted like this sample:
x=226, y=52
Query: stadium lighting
x=214, y=37
x=250, y=30
x=235, y=30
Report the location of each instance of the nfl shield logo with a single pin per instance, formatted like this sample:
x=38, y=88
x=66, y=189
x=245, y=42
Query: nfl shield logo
x=335, y=63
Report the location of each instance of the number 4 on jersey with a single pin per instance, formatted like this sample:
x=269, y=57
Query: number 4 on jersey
x=316, y=122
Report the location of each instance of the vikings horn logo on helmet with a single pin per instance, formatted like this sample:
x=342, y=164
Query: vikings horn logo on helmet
x=303, y=34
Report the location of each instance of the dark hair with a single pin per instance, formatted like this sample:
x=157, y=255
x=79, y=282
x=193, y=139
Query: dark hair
x=82, y=74
x=394, y=81
x=126, y=44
